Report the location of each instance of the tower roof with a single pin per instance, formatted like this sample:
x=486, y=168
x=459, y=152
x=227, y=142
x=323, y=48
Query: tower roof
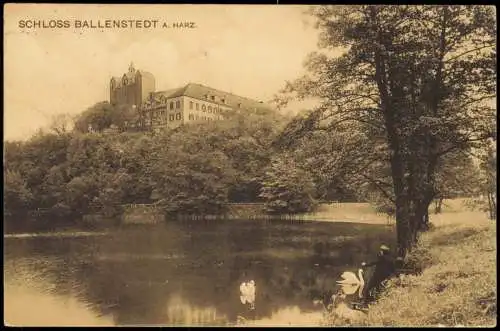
x=131, y=74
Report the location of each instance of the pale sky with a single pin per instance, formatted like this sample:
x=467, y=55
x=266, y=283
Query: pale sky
x=248, y=50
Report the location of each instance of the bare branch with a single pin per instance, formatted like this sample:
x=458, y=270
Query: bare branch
x=378, y=184
x=469, y=51
x=489, y=96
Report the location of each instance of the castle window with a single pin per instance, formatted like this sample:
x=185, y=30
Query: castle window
x=190, y=104
x=203, y=108
x=209, y=109
x=223, y=100
x=177, y=104
x=178, y=116
x=197, y=106
x=213, y=98
x=239, y=105
x=191, y=117
x=171, y=117
x=172, y=105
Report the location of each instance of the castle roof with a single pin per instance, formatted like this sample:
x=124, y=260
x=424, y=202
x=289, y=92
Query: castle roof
x=202, y=92
x=131, y=74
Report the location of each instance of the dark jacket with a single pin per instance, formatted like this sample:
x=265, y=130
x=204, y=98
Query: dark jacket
x=384, y=267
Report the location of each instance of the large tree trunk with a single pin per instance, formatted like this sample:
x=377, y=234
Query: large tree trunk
x=492, y=206
x=403, y=221
x=426, y=225
x=403, y=228
x=405, y=238
x=389, y=107
x=438, y=206
x=421, y=216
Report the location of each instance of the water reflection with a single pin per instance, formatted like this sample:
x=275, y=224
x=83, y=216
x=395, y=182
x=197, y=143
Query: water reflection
x=26, y=307
x=288, y=316
x=180, y=312
x=189, y=273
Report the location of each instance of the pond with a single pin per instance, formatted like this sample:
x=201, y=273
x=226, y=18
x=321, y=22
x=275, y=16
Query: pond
x=183, y=273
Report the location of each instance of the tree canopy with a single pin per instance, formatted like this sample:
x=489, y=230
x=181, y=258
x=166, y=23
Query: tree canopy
x=415, y=82
x=194, y=169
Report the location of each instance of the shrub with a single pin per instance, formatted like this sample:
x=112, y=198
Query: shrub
x=287, y=188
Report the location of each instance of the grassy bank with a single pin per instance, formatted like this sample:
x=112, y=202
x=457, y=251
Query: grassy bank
x=348, y=212
x=457, y=285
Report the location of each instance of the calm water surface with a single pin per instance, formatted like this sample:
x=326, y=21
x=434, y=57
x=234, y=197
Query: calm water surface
x=185, y=273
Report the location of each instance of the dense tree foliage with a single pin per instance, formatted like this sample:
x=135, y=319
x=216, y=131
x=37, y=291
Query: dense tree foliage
x=103, y=115
x=489, y=167
x=194, y=169
x=287, y=188
x=16, y=194
x=486, y=190
x=456, y=176
x=413, y=82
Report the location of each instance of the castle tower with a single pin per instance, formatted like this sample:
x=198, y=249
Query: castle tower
x=132, y=88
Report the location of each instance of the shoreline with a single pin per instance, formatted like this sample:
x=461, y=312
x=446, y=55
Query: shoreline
x=105, y=229
x=457, y=258
x=48, y=234
x=350, y=212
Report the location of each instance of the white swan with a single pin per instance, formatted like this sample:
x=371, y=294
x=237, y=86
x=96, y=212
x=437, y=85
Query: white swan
x=247, y=293
x=350, y=283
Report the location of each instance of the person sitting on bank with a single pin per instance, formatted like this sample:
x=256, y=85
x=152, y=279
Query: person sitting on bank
x=384, y=268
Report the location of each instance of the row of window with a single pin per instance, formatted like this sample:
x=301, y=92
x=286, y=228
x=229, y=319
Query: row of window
x=124, y=81
x=163, y=112
x=177, y=104
x=177, y=116
x=163, y=99
x=193, y=117
x=192, y=106
x=212, y=97
x=204, y=108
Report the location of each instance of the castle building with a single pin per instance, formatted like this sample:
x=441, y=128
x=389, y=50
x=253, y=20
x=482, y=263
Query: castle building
x=163, y=110
x=132, y=88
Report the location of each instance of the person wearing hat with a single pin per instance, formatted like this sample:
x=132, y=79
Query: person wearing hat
x=384, y=268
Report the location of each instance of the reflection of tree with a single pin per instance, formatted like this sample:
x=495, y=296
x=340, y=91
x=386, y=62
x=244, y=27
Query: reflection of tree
x=180, y=312
x=133, y=273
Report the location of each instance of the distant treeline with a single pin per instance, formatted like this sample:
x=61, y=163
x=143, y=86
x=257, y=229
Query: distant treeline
x=194, y=169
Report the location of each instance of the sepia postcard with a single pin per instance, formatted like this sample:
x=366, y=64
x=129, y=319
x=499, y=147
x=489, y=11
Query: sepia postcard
x=249, y=165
